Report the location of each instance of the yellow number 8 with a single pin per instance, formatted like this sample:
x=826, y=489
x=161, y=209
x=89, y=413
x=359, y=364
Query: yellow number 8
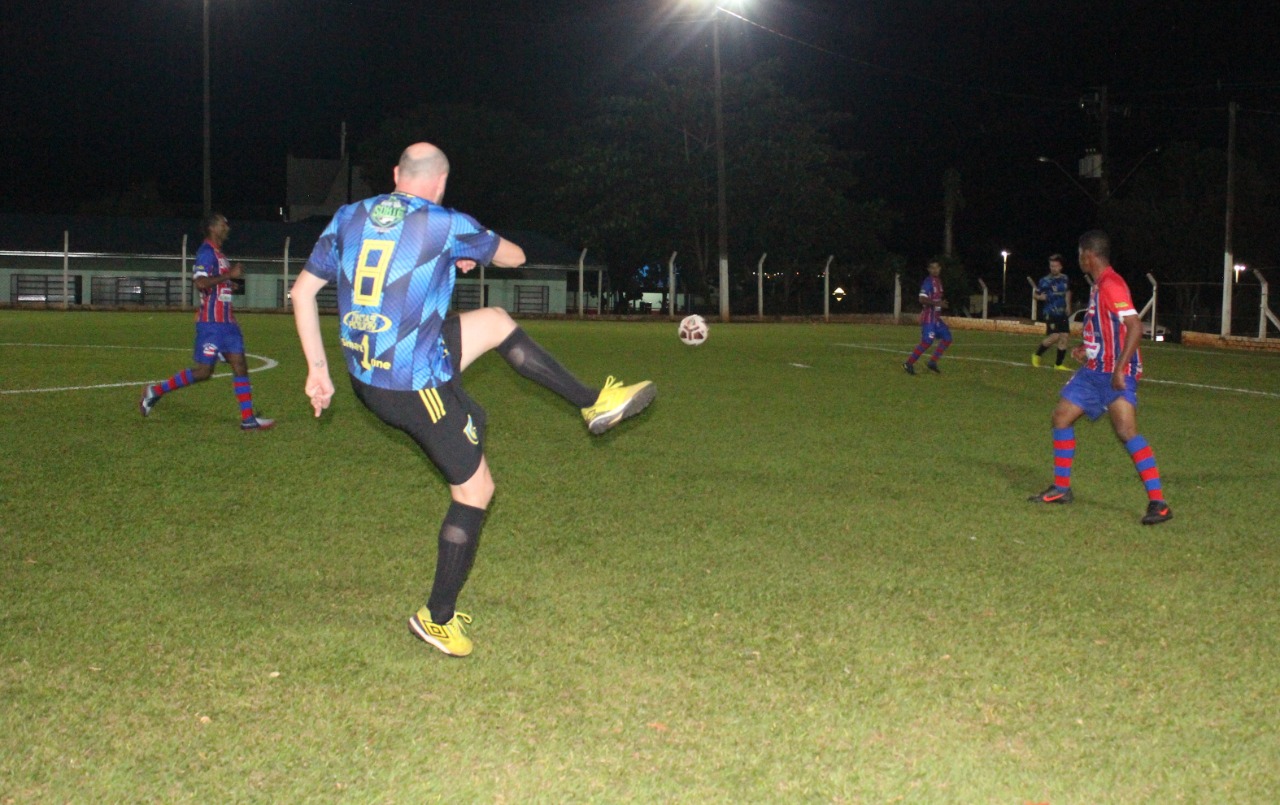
x=371, y=273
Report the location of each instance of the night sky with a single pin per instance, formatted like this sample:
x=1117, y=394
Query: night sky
x=99, y=95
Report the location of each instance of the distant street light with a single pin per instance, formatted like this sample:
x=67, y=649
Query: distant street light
x=1004, y=277
x=1239, y=268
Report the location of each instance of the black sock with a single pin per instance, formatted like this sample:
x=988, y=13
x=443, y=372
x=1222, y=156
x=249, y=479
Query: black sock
x=529, y=359
x=1062, y=355
x=1041, y=350
x=456, y=550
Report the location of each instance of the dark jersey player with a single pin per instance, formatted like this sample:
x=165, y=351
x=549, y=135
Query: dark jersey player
x=1107, y=383
x=393, y=258
x=1054, y=289
x=932, y=327
x=217, y=332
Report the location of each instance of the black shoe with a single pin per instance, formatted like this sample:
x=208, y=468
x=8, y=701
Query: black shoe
x=933, y=367
x=1054, y=494
x=1157, y=512
x=909, y=367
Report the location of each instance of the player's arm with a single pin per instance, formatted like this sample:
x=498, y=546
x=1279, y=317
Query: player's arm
x=1132, y=337
x=206, y=281
x=508, y=255
x=306, y=316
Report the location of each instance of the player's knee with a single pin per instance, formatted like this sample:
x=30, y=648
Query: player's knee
x=499, y=322
x=477, y=491
x=201, y=372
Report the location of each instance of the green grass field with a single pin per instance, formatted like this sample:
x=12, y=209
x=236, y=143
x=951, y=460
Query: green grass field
x=800, y=576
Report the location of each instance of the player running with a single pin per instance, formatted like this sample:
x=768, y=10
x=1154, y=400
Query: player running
x=217, y=332
x=1108, y=381
x=1054, y=289
x=393, y=258
x=932, y=327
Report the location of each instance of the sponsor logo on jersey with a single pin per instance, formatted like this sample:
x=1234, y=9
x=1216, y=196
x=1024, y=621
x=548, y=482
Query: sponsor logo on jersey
x=367, y=322
x=387, y=214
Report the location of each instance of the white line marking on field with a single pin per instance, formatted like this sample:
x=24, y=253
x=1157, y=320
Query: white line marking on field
x=1025, y=365
x=800, y=365
x=267, y=363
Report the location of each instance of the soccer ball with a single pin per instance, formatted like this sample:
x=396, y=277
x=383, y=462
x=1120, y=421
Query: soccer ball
x=693, y=330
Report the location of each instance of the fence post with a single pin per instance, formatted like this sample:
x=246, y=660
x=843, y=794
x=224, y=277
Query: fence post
x=985, y=297
x=66, y=264
x=1032, y=283
x=285, y=292
x=671, y=285
x=1264, y=309
x=183, y=277
x=826, y=289
x=1155, y=291
x=760, y=286
x=582, y=290
x=897, y=298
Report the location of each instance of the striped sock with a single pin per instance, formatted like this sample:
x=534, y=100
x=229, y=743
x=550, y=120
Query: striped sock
x=1064, y=452
x=244, y=393
x=1144, y=459
x=183, y=378
x=942, y=347
x=918, y=351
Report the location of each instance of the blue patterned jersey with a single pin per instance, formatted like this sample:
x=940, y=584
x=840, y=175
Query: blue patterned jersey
x=1055, y=290
x=393, y=259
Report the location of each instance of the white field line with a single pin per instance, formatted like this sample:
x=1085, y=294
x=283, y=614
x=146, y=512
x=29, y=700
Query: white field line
x=1026, y=365
x=267, y=363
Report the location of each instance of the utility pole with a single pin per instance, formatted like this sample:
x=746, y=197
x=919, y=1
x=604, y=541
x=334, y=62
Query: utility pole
x=208, y=192
x=1104, y=186
x=1228, y=257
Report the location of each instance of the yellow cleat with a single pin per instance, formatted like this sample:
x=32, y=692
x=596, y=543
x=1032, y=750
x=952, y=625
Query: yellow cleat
x=1062, y=368
x=1035, y=361
x=618, y=402
x=451, y=637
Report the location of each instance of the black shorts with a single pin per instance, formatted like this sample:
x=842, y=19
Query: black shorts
x=444, y=421
x=1054, y=326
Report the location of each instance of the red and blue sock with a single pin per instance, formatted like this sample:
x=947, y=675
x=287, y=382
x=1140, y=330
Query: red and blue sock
x=920, y=349
x=244, y=393
x=1064, y=452
x=181, y=379
x=1144, y=459
x=942, y=347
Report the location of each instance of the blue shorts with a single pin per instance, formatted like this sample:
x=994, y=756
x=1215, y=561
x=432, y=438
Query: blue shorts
x=1091, y=390
x=217, y=338
x=932, y=330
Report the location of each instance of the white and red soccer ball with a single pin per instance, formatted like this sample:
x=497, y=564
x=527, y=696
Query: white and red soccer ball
x=693, y=330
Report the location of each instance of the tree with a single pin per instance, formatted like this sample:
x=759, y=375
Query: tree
x=639, y=181
x=1171, y=223
x=498, y=165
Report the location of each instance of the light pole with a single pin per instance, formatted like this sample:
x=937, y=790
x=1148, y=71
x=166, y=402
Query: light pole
x=208, y=193
x=721, y=207
x=1004, y=278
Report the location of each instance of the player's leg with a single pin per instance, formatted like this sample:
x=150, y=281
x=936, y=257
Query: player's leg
x=1062, y=338
x=1124, y=421
x=943, y=334
x=1063, y=420
x=249, y=420
x=493, y=328
x=926, y=339
x=1045, y=343
x=200, y=370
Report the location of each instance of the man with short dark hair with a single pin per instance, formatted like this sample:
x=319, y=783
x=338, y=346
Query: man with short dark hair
x=218, y=333
x=1107, y=383
x=1054, y=289
x=393, y=258
x=932, y=327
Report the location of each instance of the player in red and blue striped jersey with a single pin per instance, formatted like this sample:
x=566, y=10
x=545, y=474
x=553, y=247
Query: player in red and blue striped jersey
x=217, y=332
x=932, y=327
x=1107, y=382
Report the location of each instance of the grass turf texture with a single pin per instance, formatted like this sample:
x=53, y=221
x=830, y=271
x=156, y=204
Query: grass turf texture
x=815, y=582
